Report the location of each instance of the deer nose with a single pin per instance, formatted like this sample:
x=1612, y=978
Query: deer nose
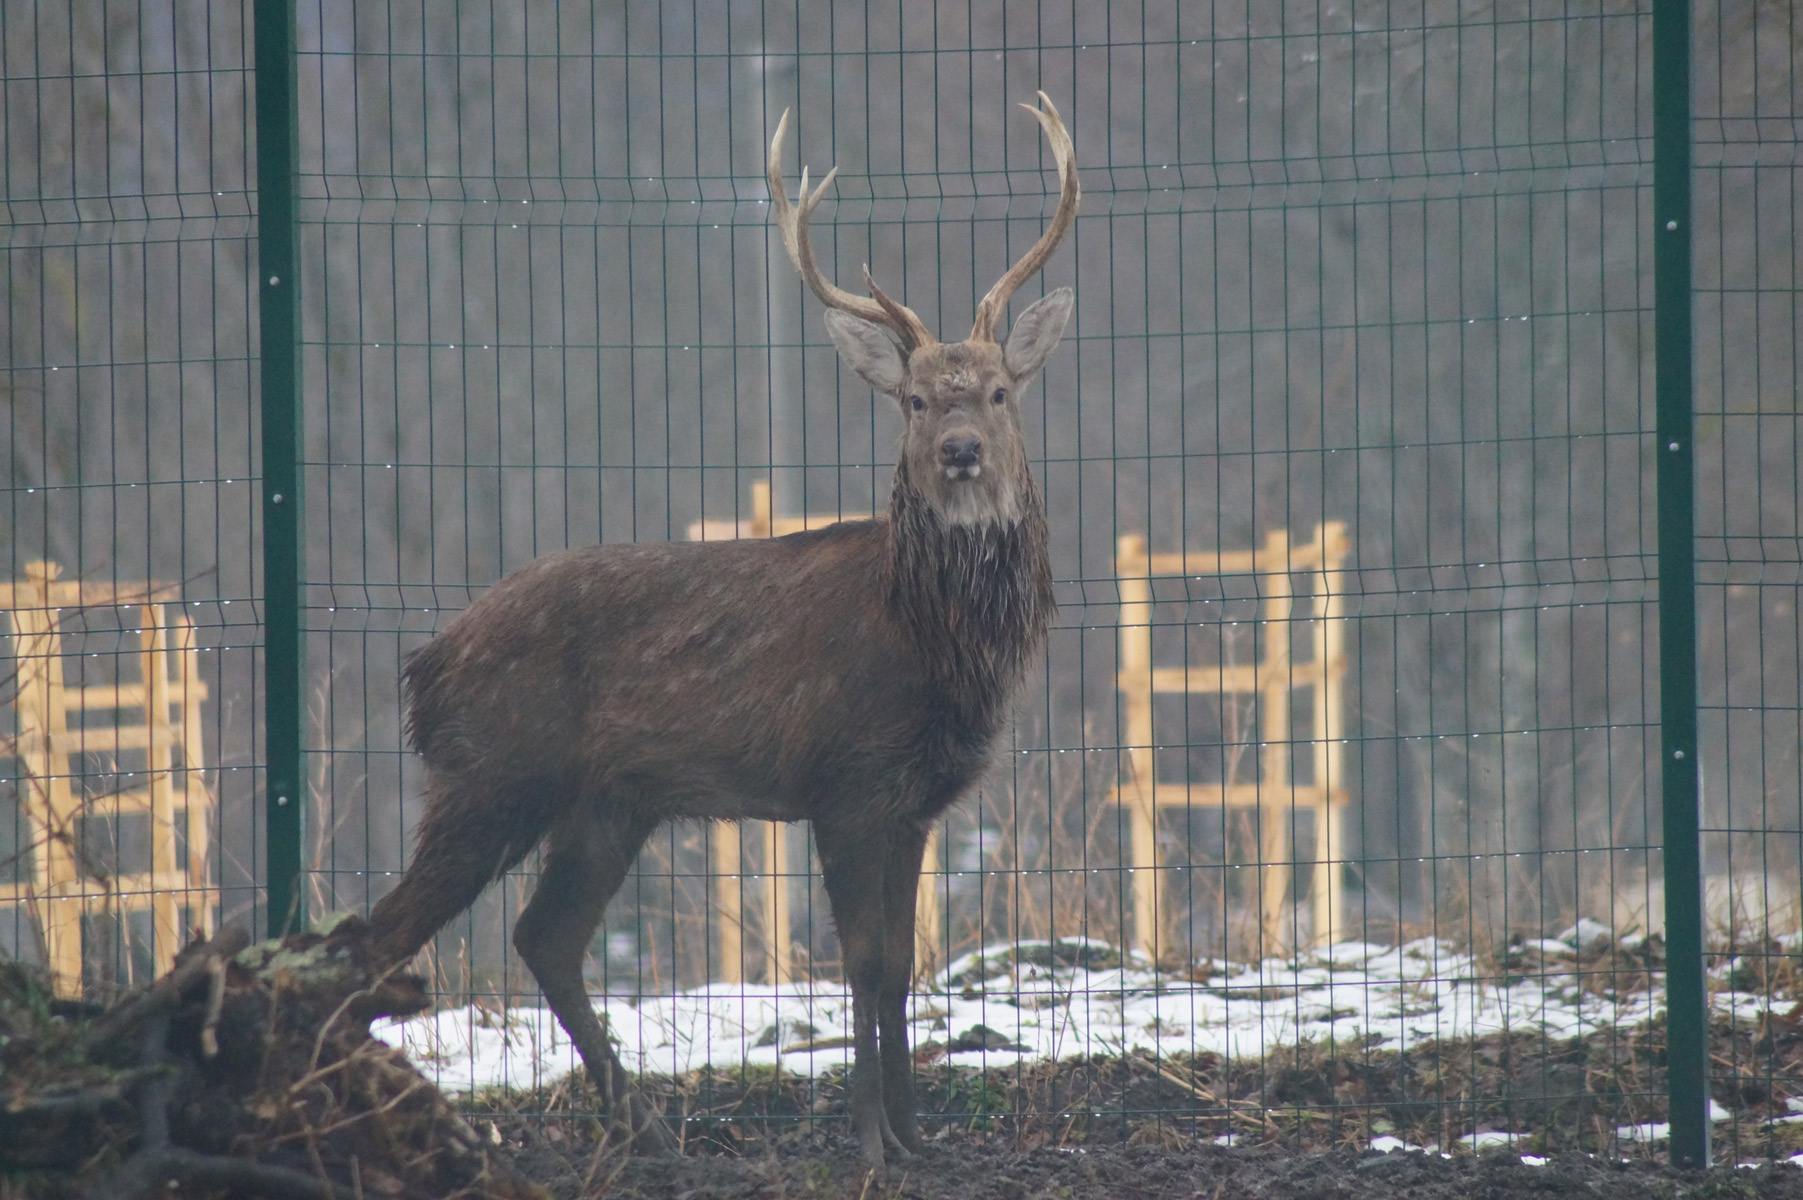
x=964, y=451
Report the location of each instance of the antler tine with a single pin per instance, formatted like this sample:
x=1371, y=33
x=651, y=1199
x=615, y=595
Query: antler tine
x=993, y=305
x=792, y=221
x=899, y=315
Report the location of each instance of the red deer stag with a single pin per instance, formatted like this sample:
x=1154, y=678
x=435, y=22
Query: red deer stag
x=856, y=676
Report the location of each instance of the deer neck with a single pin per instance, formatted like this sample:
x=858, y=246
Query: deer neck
x=976, y=598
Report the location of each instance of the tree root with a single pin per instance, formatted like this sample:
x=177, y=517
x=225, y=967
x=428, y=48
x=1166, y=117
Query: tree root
x=153, y=1171
x=238, y=1074
x=157, y=1165
x=191, y=966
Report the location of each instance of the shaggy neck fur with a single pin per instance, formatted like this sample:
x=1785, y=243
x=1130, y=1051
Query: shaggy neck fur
x=977, y=597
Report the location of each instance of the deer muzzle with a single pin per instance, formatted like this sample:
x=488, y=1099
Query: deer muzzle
x=962, y=456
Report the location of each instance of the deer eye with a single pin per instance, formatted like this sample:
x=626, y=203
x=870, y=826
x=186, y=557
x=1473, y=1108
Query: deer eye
x=917, y=402
x=1001, y=394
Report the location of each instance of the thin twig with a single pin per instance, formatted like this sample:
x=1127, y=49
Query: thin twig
x=319, y=1165
x=325, y=1027
x=387, y=1107
x=1193, y=1089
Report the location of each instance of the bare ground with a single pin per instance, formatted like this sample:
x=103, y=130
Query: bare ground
x=250, y=1072
x=1136, y=1127
x=985, y=1166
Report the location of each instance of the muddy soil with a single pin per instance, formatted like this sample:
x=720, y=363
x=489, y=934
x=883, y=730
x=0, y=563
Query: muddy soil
x=977, y=1168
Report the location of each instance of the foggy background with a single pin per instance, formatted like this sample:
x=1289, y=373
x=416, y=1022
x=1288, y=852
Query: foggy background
x=1382, y=264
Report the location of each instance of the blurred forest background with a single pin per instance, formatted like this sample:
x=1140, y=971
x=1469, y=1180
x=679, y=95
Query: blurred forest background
x=1385, y=264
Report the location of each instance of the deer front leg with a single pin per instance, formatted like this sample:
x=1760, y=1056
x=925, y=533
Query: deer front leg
x=901, y=889
x=852, y=865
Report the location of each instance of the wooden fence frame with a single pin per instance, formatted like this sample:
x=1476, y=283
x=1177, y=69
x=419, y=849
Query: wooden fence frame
x=1275, y=795
x=59, y=893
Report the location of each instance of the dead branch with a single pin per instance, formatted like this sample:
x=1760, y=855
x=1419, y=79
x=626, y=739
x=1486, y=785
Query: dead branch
x=192, y=965
x=85, y=1101
x=209, y=1029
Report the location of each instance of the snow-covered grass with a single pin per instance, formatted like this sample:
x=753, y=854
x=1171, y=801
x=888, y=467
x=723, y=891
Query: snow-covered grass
x=1076, y=998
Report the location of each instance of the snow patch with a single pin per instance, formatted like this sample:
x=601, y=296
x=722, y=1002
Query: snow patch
x=1587, y=935
x=1070, y=998
x=1486, y=1138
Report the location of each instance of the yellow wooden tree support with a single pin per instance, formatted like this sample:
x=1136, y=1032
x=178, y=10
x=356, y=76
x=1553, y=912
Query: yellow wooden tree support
x=1273, y=680
x=159, y=714
x=728, y=844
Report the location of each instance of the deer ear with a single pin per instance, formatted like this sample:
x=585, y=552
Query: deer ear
x=867, y=350
x=1035, y=335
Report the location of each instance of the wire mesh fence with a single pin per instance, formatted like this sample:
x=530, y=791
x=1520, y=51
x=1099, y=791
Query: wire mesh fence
x=1332, y=811
x=131, y=752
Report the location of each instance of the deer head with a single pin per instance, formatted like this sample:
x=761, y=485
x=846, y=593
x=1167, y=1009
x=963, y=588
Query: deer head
x=962, y=448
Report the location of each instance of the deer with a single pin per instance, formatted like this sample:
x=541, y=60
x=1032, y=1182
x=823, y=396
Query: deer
x=857, y=676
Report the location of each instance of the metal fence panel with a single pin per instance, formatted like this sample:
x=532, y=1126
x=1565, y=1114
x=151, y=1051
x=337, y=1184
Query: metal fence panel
x=1362, y=839
x=131, y=743
x=1744, y=187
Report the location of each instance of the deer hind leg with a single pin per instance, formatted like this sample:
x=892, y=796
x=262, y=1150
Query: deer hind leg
x=852, y=865
x=591, y=849
x=469, y=835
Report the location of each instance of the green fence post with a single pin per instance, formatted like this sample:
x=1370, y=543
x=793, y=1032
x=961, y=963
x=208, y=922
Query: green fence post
x=278, y=290
x=1687, y=1018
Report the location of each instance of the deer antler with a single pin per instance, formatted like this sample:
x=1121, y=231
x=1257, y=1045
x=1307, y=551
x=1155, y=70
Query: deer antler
x=792, y=220
x=990, y=310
